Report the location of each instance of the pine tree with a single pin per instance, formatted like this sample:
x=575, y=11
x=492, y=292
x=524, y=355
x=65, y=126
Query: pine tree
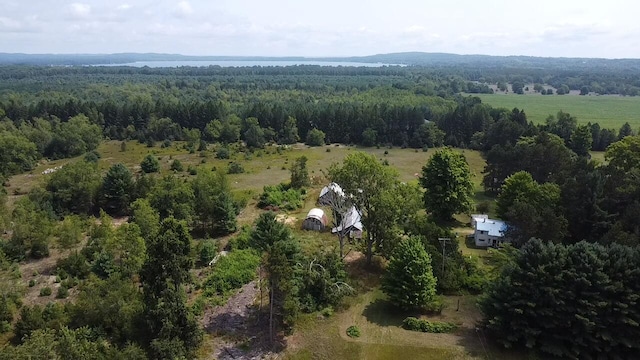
x=409, y=282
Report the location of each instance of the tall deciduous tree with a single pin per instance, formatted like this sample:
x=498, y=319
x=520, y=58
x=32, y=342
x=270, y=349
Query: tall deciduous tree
x=532, y=209
x=213, y=202
x=172, y=197
x=365, y=179
x=74, y=188
x=146, y=217
x=289, y=132
x=447, y=182
x=409, y=282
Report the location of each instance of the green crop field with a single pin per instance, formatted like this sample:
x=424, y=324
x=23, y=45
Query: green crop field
x=609, y=111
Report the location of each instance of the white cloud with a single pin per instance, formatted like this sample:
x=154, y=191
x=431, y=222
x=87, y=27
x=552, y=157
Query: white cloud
x=79, y=10
x=183, y=9
x=122, y=7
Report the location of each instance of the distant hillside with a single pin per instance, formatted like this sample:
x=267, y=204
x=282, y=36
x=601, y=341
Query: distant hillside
x=405, y=58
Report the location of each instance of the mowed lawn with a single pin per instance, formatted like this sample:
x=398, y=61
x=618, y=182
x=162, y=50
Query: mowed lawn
x=610, y=111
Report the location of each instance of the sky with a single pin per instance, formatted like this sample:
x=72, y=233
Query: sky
x=558, y=28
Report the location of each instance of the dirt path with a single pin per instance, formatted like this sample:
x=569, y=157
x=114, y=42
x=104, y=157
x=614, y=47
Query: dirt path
x=237, y=325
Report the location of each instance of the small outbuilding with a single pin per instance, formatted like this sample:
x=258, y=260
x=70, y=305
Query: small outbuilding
x=350, y=224
x=315, y=220
x=329, y=193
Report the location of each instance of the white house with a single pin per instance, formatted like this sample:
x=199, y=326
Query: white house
x=488, y=232
x=315, y=220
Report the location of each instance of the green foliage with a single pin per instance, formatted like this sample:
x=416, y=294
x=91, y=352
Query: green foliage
x=267, y=231
x=231, y=272
x=63, y=292
x=150, y=164
x=533, y=210
x=567, y=301
x=92, y=156
x=323, y=282
x=447, y=182
x=207, y=251
x=241, y=240
x=427, y=326
x=408, y=281
x=214, y=205
x=75, y=265
x=117, y=190
x=45, y=291
x=146, y=217
x=223, y=153
x=284, y=278
x=70, y=231
x=281, y=196
x=254, y=135
x=353, y=331
x=364, y=178
x=74, y=188
x=172, y=197
x=171, y=327
x=176, y=166
x=289, y=132
x=74, y=137
x=17, y=153
x=235, y=168
x=300, y=173
x=113, y=305
x=315, y=137
x=32, y=231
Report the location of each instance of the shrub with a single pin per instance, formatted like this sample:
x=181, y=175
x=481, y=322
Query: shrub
x=207, y=251
x=45, y=291
x=150, y=164
x=223, y=153
x=281, y=196
x=427, y=326
x=192, y=170
x=235, y=168
x=176, y=165
x=240, y=241
x=75, y=265
x=315, y=137
x=353, y=331
x=63, y=293
x=232, y=271
x=32, y=283
x=92, y=156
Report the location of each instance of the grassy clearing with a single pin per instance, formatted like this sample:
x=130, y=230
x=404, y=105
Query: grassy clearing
x=263, y=167
x=382, y=335
x=608, y=110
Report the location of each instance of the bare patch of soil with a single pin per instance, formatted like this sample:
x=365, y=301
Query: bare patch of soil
x=240, y=330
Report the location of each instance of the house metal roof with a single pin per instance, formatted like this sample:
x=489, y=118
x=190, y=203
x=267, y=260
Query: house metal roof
x=491, y=226
x=350, y=219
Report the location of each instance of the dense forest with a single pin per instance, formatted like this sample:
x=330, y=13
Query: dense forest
x=572, y=220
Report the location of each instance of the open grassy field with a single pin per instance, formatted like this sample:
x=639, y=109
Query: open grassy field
x=382, y=335
x=264, y=167
x=607, y=110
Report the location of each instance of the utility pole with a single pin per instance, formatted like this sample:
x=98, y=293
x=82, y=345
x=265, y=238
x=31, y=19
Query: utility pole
x=443, y=243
